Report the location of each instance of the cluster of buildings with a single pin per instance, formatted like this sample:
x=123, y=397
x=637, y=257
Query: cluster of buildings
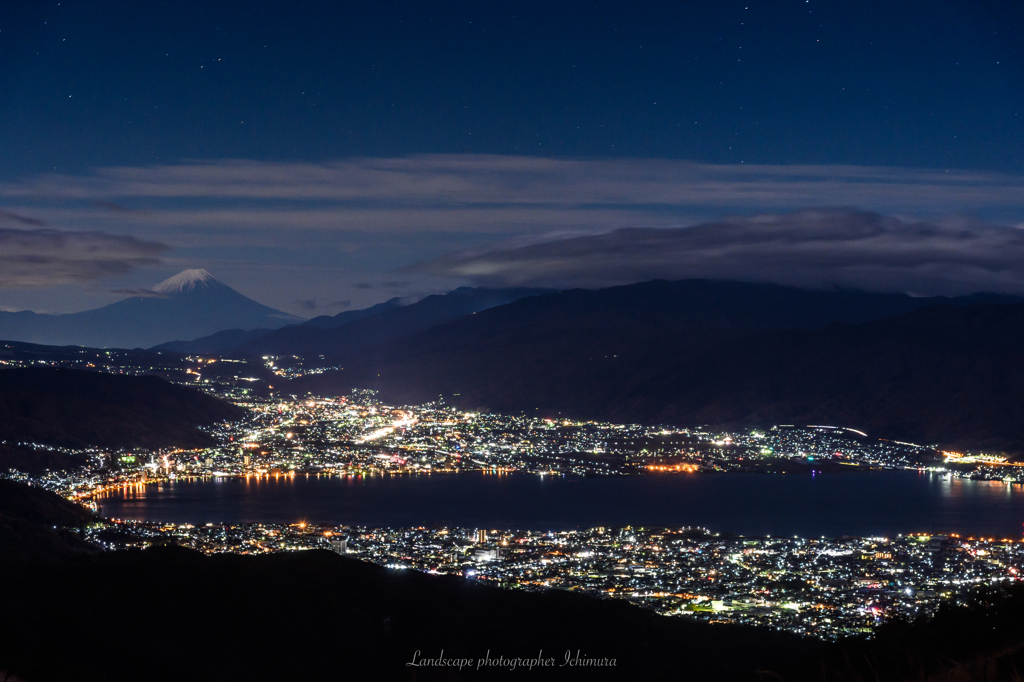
x=357, y=435
x=297, y=366
x=827, y=588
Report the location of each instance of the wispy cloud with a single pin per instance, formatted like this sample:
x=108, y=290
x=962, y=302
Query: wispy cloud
x=519, y=180
x=49, y=257
x=7, y=216
x=354, y=220
x=310, y=305
x=499, y=195
x=139, y=293
x=818, y=248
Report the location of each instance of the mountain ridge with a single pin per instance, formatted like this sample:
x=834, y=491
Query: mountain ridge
x=617, y=355
x=191, y=304
x=77, y=408
x=387, y=324
x=229, y=339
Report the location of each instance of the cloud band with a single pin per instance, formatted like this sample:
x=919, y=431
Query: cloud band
x=817, y=248
x=48, y=257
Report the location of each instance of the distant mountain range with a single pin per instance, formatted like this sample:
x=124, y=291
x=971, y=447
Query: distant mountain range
x=944, y=370
x=355, y=332
x=938, y=370
x=228, y=339
x=376, y=619
x=189, y=305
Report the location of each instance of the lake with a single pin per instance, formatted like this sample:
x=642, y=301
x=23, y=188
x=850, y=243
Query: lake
x=872, y=503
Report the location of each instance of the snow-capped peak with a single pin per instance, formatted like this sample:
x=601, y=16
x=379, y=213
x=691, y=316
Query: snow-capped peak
x=185, y=282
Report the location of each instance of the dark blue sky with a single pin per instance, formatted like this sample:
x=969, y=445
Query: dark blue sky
x=189, y=100
x=90, y=83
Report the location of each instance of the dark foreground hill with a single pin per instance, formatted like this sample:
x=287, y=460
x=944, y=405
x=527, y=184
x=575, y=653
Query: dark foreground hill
x=979, y=642
x=34, y=523
x=173, y=614
x=947, y=371
x=169, y=613
x=36, y=505
x=74, y=408
x=37, y=460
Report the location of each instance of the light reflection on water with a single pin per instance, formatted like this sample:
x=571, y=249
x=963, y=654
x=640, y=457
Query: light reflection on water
x=872, y=503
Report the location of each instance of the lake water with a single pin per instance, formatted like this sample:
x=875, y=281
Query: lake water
x=872, y=503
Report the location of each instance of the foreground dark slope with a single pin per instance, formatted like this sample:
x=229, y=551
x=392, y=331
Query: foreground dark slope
x=173, y=614
x=33, y=523
x=950, y=374
x=74, y=408
x=170, y=614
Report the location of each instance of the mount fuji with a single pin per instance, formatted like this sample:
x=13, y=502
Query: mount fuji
x=187, y=306
x=188, y=282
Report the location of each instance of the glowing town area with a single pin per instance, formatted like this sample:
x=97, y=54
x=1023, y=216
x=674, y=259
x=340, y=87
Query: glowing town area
x=825, y=587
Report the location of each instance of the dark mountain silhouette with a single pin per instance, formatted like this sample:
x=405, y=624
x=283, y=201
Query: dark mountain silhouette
x=312, y=615
x=75, y=408
x=931, y=370
x=191, y=304
x=352, y=336
x=307, y=615
x=947, y=375
x=36, y=460
x=224, y=341
x=174, y=367
x=341, y=319
x=221, y=342
x=32, y=523
x=36, y=505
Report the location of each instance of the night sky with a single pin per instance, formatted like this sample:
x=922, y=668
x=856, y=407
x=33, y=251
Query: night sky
x=313, y=155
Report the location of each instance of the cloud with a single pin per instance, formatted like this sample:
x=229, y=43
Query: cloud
x=139, y=293
x=354, y=220
x=493, y=195
x=817, y=248
x=481, y=179
x=14, y=217
x=310, y=305
x=109, y=205
x=48, y=257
